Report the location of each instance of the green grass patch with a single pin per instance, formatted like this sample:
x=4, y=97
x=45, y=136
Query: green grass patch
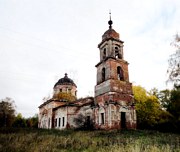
x=37, y=140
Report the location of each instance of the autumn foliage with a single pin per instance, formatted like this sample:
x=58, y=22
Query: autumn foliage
x=157, y=109
x=64, y=96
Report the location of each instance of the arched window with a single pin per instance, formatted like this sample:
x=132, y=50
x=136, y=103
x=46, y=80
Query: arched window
x=117, y=53
x=103, y=74
x=120, y=73
x=104, y=53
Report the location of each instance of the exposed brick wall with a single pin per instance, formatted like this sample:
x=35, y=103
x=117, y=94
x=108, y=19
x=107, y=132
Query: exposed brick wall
x=111, y=69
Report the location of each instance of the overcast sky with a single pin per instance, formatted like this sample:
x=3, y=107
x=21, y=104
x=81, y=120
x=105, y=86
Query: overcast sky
x=40, y=40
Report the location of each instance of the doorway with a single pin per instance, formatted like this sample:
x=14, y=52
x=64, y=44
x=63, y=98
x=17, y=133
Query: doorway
x=123, y=120
x=88, y=121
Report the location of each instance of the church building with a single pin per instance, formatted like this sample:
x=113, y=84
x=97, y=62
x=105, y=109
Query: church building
x=112, y=107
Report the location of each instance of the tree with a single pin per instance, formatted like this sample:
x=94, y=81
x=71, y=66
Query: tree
x=147, y=108
x=19, y=121
x=154, y=92
x=170, y=102
x=150, y=114
x=174, y=63
x=140, y=94
x=174, y=106
x=22, y=122
x=164, y=98
x=7, y=112
x=32, y=122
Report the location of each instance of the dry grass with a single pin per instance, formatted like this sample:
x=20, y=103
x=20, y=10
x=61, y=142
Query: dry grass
x=37, y=140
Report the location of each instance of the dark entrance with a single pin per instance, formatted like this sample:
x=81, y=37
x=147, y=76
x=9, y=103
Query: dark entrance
x=123, y=120
x=88, y=121
x=102, y=118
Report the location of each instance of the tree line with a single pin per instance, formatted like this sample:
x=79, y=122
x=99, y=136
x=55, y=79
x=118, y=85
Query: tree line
x=159, y=110
x=9, y=118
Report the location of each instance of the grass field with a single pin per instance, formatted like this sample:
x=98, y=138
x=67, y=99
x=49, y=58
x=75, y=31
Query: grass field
x=39, y=140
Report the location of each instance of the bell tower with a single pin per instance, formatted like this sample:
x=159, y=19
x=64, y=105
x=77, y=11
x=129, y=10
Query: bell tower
x=113, y=88
x=112, y=70
x=113, y=91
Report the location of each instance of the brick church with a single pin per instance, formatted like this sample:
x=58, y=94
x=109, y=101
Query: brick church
x=112, y=107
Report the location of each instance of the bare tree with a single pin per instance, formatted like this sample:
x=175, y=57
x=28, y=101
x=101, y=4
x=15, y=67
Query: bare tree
x=174, y=63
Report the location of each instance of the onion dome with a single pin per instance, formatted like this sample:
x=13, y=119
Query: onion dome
x=65, y=81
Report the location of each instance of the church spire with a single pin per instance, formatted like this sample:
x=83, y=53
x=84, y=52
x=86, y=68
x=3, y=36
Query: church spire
x=110, y=22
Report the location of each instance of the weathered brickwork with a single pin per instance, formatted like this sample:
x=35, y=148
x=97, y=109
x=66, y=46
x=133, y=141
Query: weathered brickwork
x=113, y=104
x=113, y=118
x=113, y=92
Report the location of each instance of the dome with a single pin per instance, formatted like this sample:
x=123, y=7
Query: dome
x=65, y=81
x=110, y=33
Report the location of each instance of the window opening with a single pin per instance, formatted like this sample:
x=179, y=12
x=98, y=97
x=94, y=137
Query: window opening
x=104, y=53
x=103, y=74
x=120, y=73
x=49, y=123
x=59, y=122
x=63, y=122
x=117, y=54
x=69, y=90
x=102, y=118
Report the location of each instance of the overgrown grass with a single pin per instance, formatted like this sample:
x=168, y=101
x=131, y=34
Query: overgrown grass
x=40, y=140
